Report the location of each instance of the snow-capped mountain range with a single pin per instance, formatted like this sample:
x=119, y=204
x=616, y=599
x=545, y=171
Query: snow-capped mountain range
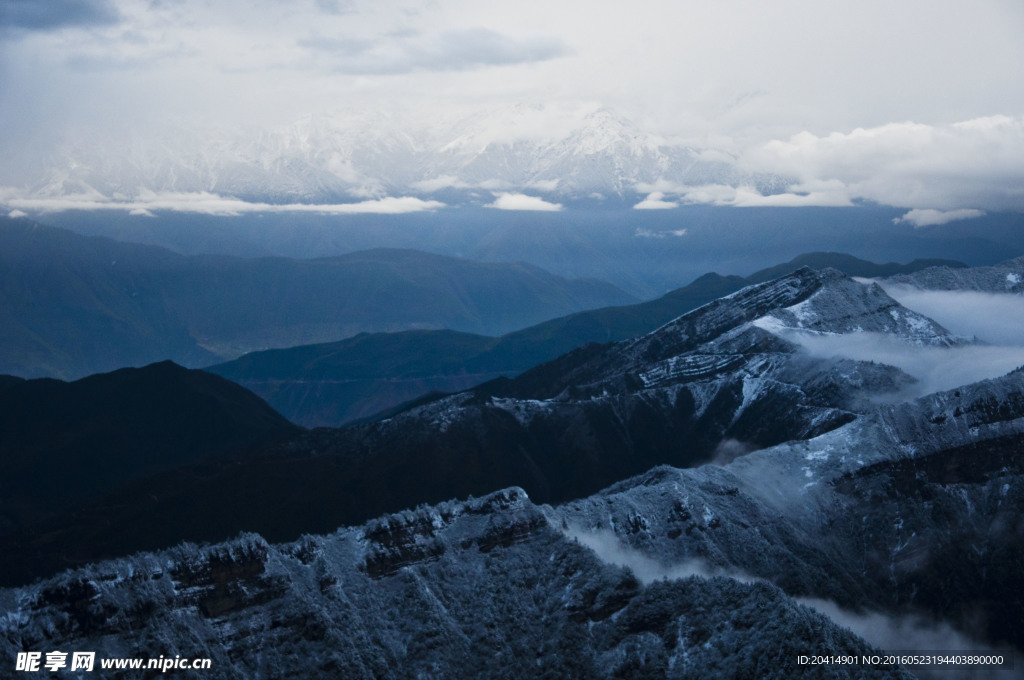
x=358, y=155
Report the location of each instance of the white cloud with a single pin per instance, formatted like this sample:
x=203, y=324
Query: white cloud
x=661, y=186
x=927, y=217
x=508, y=201
x=213, y=204
x=935, y=368
x=831, y=193
x=654, y=201
x=995, y=318
x=965, y=165
x=141, y=212
x=415, y=51
x=14, y=214
x=715, y=194
x=493, y=185
x=610, y=549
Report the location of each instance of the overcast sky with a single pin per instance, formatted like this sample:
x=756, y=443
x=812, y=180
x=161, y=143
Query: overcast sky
x=823, y=90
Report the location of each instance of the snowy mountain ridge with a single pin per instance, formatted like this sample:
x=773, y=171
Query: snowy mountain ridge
x=1003, y=278
x=355, y=155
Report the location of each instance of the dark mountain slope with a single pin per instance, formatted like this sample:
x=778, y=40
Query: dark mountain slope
x=233, y=303
x=849, y=265
x=73, y=305
x=335, y=383
x=65, y=444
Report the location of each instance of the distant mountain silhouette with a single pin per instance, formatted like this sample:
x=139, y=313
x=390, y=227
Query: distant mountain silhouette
x=72, y=305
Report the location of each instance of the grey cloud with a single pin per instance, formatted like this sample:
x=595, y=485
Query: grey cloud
x=469, y=48
x=334, y=6
x=408, y=52
x=49, y=15
x=345, y=47
x=610, y=549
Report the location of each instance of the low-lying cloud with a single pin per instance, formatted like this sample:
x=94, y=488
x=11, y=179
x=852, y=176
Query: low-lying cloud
x=936, y=368
x=655, y=201
x=993, y=318
x=507, y=201
x=927, y=217
x=147, y=203
x=610, y=549
x=833, y=194
x=907, y=633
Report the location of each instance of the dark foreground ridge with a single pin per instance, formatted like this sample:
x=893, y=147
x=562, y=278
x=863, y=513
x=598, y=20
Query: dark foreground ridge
x=479, y=589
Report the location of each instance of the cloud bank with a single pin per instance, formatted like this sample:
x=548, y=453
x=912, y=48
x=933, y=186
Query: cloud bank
x=961, y=166
x=212, y=204
x=507, y=201
x=996, y=319
x=655, y=201
x=413, y=51
x=936, y=369
x=942, y=173
x=927, y=217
